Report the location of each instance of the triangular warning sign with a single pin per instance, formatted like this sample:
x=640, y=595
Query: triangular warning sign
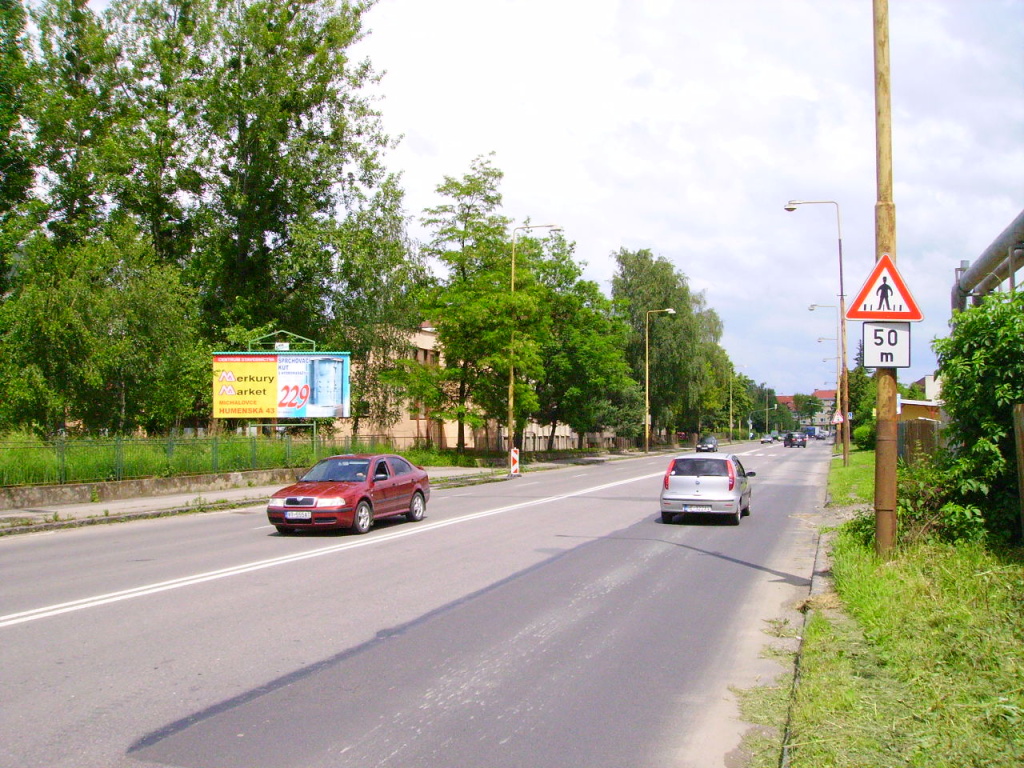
x=884, y=296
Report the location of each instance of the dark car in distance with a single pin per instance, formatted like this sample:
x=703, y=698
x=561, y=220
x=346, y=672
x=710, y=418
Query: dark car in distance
x=707, y=444
x=351, y=491
x=795, y=440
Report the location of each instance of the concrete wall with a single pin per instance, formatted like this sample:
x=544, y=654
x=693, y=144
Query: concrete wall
x=81, y=493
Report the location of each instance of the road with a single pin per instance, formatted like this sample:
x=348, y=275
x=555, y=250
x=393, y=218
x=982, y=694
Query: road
x=551, y=620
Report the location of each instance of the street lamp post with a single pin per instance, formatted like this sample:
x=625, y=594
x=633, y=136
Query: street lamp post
x=512, y=344
x=732, y=375
x=647, y=373
x=844, y=395
x=839, y=373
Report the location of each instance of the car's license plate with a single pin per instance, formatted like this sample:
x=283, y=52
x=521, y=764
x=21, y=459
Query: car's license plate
x=696, y=507
x=298, y=514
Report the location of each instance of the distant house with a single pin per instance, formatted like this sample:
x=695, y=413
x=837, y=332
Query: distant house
x=823, y=418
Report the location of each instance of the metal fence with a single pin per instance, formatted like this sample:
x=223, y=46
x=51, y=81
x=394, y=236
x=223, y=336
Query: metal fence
x=98, y=460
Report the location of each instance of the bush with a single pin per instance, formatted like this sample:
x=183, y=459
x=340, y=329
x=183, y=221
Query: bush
x=982, y=370
x=864, y=436
x=926, y=507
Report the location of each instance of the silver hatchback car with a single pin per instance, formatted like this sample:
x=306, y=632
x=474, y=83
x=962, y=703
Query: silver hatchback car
x=706, y=483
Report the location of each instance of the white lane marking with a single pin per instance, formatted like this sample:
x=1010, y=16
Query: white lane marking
x=186, y=581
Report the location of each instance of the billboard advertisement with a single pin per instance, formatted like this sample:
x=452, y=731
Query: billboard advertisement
x=282, y=385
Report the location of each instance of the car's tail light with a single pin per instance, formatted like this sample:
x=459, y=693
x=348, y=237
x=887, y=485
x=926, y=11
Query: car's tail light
x=668, y=472
x=732, y=474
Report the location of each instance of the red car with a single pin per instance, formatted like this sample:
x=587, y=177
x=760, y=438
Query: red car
x=351, y=492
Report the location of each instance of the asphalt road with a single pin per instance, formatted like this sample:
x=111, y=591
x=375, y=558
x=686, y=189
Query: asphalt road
x=551, y=620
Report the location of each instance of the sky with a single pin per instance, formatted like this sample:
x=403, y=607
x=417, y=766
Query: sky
x=684, y=127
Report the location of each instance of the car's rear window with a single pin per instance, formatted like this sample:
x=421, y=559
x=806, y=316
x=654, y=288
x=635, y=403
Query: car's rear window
x=702, y=467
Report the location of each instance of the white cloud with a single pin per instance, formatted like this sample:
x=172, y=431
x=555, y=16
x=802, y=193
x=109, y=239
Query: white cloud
x=685, y=126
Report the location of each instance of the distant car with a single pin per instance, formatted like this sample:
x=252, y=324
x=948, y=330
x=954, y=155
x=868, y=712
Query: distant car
x=714, y=484
x=708, y=443
x=766, y=438
x=351, y=491
x=795, y=440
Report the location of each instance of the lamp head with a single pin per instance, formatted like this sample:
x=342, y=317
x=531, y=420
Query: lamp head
x=791, y=205
x=670, y=311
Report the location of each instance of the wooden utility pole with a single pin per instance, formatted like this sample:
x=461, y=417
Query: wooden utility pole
x=885, y=242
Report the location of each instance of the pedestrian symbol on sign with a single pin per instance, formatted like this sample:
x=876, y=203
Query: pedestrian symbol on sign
x=884, y=296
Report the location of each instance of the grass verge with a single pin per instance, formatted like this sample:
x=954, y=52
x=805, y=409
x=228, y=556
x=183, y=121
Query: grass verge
x=916, y=661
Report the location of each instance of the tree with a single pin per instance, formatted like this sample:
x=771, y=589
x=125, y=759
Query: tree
x=375, y=302
x=981, y=364
x=807, y=406
x=585, y=371
x=471, y=306
x=295, y=146
x=16, y=86
x=72, y=116
x=160, y=155
x=96, y=336
x=682, y=367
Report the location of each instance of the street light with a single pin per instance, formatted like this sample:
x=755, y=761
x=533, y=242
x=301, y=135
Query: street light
x=512, y=343
x=839, y=369
x=647, y=373
x=844, y=394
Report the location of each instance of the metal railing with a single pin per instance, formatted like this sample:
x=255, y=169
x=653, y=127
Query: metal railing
x=106, y=459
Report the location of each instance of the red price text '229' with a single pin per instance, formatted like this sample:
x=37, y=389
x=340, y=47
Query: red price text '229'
x=293, y=396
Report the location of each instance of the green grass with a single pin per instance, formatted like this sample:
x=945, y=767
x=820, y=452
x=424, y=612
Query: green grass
x=915, y=661
x=854, y=484
x=29, y=461
x=922, y=666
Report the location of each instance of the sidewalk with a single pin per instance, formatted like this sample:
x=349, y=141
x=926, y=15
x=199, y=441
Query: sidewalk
x=52, y=516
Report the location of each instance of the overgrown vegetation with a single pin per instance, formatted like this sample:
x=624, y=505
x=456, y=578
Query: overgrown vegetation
x=34, y=462
x=923, y=665
x=913, y=661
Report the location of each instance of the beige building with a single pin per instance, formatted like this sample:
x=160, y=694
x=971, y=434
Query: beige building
x=416, y=427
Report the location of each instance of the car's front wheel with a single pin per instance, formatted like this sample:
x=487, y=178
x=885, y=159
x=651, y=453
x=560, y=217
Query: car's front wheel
x=363, y=517
x=417, y=508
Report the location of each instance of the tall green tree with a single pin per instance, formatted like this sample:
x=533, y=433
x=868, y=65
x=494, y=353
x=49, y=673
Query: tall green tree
x=584, y=373
x=296, y=145
x=161, y=157
x=72, y=114
x=375, y=303
x=682, y=346
x=15, y=93
x=472, y=308
x=95, y=335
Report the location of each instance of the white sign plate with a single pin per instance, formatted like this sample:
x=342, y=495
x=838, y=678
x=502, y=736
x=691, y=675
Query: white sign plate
x=886, y=345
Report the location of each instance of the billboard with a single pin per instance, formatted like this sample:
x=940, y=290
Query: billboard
x=282, y=385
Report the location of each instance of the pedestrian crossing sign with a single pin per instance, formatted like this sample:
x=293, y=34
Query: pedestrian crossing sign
x=885, y=296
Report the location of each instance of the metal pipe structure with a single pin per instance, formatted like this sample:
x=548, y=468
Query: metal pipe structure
x=997, y=263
